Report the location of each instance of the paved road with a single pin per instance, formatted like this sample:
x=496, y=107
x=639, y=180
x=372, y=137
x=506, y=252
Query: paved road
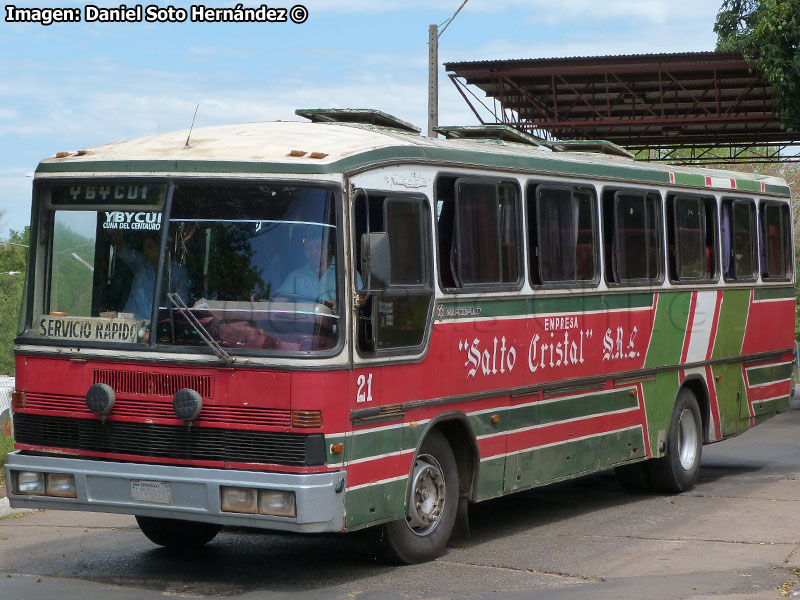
x=736, y=535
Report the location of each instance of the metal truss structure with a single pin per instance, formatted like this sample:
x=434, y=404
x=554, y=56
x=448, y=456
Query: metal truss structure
x=689, y=107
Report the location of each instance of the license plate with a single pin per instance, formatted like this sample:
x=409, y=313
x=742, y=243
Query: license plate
x=151, y=491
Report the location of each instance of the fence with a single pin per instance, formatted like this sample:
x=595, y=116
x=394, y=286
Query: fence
x=6, y=387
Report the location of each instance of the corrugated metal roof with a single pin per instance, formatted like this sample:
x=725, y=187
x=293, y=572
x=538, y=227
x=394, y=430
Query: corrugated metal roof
x=709, y=56
x=635, y=101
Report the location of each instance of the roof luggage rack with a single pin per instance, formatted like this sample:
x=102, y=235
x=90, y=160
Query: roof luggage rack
x=497, y=132
x=366, y=116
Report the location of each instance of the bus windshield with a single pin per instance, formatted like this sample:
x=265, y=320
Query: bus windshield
x=255, y=264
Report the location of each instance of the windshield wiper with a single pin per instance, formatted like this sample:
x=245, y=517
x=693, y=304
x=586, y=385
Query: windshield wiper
x=179, y=304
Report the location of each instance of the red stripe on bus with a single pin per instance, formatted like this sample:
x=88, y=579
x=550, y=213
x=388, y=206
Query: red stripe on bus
x=712, y=393
x=643, y=420
x=765, y=392
x=749, y=397
x=564, y=432
x=688, y=335
x=714, y=324
x=492, y=446
x=377, y=469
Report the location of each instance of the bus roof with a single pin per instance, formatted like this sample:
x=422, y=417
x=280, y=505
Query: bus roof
x=316, y=148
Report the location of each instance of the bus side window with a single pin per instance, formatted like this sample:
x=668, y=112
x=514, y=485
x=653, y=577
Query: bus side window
x=632, y=236
x=738, y=225
x=561, y=235
x=479, y=233
x=776, y=249
x=394, y=320
x=691, y=238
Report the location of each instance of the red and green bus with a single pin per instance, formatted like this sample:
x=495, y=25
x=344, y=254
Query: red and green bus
x=338, y=324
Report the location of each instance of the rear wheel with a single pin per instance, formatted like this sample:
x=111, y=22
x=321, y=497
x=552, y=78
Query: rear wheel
x=177, y=534
x=678, y=470
x=431, y=506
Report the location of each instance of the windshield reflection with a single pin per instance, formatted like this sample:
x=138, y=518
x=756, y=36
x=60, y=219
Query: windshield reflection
x=255, y=264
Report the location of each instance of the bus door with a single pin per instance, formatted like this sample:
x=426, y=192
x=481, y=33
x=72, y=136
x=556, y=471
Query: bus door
x=393, y=276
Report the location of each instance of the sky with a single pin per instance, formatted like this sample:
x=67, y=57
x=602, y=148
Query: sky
x=68, y=86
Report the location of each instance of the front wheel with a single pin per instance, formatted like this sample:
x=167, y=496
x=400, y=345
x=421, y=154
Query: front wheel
x=431, y=506
x=176, y=534
x=678, y=470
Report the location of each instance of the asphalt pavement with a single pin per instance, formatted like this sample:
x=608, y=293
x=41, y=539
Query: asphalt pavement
x=736, y=535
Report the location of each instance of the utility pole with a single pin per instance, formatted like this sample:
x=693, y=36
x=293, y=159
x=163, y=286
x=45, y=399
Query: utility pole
x=433, y=71
x=433, y=79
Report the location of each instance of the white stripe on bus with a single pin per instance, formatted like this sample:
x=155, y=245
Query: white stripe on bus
x=379, y=482
x=379, y=456
x=701, y=326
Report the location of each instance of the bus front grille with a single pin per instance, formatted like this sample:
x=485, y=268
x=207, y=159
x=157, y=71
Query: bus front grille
x=153, y=384
x=172, y=442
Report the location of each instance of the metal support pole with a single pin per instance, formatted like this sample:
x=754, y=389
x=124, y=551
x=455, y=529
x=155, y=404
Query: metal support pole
x=433, y=79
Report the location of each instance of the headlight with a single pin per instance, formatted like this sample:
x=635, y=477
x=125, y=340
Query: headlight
x=61, y=484
x=277, y=503
x=241, y=500
x=29, y=482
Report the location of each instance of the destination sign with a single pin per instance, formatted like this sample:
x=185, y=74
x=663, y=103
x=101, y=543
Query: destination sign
x=108, y=193
x=119, y=219
x=90, y=329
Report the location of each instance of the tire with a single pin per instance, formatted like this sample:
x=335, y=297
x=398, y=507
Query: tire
x=176, y=534
x=431, y=506
x=678, y=470
x=635, y=477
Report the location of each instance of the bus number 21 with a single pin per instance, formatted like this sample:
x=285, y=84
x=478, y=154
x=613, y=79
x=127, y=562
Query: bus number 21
x=362, y=381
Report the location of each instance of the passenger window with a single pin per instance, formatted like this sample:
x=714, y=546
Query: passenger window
x=478, y=224
x=691, y=238
x=405, y=222
x=393, y=320
x=632, y=235
x=738, y=240
x=561, y=234
x=776, y=249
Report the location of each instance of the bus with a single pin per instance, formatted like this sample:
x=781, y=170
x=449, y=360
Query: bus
x=338, y=324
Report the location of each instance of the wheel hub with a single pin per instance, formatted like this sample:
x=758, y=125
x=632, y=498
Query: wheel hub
x=687, y=439
x=426, y=502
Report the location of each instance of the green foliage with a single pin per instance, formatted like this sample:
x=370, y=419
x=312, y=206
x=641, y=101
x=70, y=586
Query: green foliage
x=71, y=285
x=767, y=34
x=12, y=260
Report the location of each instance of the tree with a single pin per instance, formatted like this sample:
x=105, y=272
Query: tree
x=13, y=256
x=767, y=34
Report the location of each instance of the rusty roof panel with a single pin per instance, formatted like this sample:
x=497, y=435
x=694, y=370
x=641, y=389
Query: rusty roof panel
x=631, y=100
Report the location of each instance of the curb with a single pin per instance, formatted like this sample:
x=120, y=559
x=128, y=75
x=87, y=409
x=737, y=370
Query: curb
x=7, y=511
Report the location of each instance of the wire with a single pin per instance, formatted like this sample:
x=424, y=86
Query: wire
x=450, y=20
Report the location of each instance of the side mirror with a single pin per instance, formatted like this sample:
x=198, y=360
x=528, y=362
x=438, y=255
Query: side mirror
x=376, y=261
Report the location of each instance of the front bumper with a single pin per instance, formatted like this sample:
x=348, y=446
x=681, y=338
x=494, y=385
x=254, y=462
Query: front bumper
x=195, y=495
